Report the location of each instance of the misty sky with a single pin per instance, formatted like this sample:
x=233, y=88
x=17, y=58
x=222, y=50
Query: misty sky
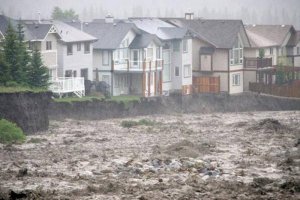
x=250, y=11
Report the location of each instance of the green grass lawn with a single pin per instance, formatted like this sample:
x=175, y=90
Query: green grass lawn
x=123, y=98
x=4, y=89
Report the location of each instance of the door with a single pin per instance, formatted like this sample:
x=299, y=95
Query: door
x=84, y=73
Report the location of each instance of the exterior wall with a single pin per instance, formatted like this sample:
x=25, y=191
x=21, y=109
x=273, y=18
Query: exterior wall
x=176, y=61
x=249, y=76
x=235, y=89
x=297, y=56
x=220, y=60
x=75, y=62
x=196, y=45
x=187, y=59
x=223, y=80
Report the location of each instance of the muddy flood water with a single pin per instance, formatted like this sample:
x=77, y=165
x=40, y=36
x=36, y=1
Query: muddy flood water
x=251, y=155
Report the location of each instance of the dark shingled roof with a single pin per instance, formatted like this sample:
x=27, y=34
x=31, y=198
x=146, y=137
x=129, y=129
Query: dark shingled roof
x=220, y=33
x=170, y=33
x=267, y=35
x=4, y=21
x=36, y=31
x=110, y=35
x=143, y=41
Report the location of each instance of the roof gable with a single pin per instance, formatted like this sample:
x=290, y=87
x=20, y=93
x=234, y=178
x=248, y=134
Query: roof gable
x=143, y=41
x=268, y=35
x=220, y=33
x=110, y=35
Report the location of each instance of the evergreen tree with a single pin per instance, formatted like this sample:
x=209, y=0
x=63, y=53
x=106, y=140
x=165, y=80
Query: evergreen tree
x=38, y=74
x=4, y=70
x=24, y=55
x=60, y=14
x=12, y=55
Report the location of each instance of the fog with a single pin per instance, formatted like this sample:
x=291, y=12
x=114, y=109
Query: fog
x=250, y=11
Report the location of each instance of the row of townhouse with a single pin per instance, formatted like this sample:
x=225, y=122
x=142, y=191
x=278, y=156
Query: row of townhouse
x=152, y=56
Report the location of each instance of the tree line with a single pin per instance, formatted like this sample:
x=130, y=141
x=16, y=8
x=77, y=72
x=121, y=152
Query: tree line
x=20, y=66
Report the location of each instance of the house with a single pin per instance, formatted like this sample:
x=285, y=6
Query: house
x=128, y=60
x=297, y=50
x=276, y=41
x=75, y=52
x=42, y=36
x=176, y=53
x=217, y=51
x=271, y=45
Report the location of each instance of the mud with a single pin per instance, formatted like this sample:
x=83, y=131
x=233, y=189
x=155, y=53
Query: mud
x=250, y=155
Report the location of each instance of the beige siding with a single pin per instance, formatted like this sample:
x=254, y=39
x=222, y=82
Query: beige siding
x=206, y=63
x=220, y=60
x=196, y=45
x=249, y=76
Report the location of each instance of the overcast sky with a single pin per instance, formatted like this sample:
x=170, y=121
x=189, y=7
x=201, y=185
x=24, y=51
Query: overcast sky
x=250, y=11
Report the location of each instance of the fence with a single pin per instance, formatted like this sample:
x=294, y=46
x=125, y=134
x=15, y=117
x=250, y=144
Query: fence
x=289, y=90
x=257, y=62
x=205, y=84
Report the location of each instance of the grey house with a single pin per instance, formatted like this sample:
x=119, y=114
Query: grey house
x=128, y=60
x=218, y=50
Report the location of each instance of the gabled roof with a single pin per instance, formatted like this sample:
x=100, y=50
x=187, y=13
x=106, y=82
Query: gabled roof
x=219, y=33
x=36, y=31
x=162, y=29
x=267, y=35
x=71, y=34
x=297, y=37
x=110, y=35
x=143, y=41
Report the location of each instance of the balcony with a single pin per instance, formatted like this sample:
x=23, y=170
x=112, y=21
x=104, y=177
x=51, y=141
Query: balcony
x=256, y=63
x=49, y=58
x=65, y=85
x=137, y=66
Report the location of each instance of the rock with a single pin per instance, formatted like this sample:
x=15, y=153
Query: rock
x=262, y=181
x=22, y=172
x=160, y=180
x=175, y=165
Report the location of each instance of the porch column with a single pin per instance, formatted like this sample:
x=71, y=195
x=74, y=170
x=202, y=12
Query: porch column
x=144, y=80
x=149, y=80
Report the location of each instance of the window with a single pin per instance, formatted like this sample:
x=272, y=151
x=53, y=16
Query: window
x=298, y=50
x=78, y=46
x=176, y=71
x=150, y=53
x=167, y=65
x=105, y=58
x=185, y=46
x=86, y=47
x=271, y=51
x=68, y=73
x=69, y=49
x=176, y=46
x=187, y=71
x=84, y=73
x=158, y=53
x=74, y=73
x=236, y=79
x=30, y=45
x=236, y=54
x=48, y=45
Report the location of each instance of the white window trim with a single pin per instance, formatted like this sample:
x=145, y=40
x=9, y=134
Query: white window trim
x=190, y=71
x=237, y=50
x=234, y=83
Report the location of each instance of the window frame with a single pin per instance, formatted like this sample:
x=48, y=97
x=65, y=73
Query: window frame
x=236, y=54
x=87, y=48
x=189, y=71
x=177, y=71
x=103, y=56
x=236, y=79
x=176, y=48
x=48, y=44
x=70, y=49
x=185, y=48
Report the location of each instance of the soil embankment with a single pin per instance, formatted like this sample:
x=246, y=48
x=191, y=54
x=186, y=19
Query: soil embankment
x=204, y=103
x=27, y=109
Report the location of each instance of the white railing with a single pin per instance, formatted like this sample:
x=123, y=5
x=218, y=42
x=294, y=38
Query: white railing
x=130, y=65
x=64, y=85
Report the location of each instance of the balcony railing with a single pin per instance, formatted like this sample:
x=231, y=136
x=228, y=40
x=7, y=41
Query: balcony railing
x=137, y=66
x=64, y=85
x=256, y=63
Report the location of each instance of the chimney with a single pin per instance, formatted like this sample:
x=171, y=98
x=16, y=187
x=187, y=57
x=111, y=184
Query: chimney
x=189, y=16
x=109, y=19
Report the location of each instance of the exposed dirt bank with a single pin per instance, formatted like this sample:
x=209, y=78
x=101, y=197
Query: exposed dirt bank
x=251, y=155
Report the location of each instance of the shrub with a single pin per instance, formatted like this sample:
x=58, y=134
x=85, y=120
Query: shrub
x=130, y=123
x=10, y=133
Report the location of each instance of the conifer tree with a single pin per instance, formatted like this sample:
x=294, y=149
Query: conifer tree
x=4, y=70
x=38, y=74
